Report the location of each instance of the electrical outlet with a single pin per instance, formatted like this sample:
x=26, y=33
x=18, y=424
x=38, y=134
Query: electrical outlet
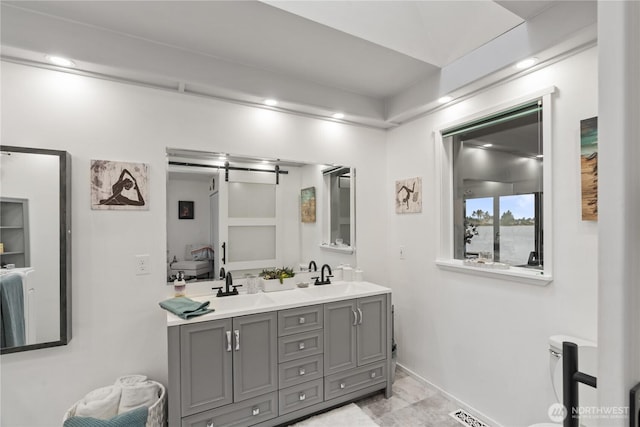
x=142, y=264
x=402, y=252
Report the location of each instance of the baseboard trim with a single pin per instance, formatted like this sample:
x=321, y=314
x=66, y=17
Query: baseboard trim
x=486, y=419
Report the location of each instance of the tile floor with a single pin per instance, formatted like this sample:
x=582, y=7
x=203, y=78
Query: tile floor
x=412, y=404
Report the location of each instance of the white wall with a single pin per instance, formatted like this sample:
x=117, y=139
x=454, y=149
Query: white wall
x=484, y=340
x=118, y=327
x=619, y=204
x=35, y=177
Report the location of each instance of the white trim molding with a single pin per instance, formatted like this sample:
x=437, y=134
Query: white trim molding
x=444, y=194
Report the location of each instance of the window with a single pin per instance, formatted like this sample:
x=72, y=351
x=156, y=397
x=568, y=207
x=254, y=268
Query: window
x=497, y=194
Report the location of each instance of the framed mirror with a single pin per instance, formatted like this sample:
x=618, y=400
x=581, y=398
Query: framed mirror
x=252, y=213
x=35, y=248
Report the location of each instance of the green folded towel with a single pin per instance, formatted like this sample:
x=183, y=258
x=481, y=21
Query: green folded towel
x=185, y=307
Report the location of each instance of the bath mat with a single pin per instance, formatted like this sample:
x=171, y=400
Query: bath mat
x=466, y=419
x=350, y=415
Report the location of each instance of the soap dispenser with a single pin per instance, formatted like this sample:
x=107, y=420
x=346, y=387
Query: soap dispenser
x=179, y=285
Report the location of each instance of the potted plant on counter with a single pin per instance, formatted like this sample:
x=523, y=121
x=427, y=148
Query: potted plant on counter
x=278, y=279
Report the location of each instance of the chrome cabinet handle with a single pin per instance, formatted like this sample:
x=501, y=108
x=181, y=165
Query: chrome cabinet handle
x=300, y=346
x=342, y=385
x=301, y=321
x=236, y=333
x=301, y=371
x=360, y=312
x=373, y=374
x=228, y=333
x=355, y=318
x=255, y=411
x=210, y=423
x=302, y=396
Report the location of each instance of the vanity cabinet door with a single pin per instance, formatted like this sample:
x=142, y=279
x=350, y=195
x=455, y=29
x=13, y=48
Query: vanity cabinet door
x=205, y=368
x=340, y=322
x=255, y=355
x=372, y=329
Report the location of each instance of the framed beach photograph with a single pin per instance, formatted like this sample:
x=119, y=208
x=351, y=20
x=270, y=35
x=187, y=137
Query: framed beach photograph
x=185, y=209
x=589, y=168
x=308, y=204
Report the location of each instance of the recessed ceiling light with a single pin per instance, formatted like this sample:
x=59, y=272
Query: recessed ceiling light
x=338, y=116
x=487, y=145
x=539, y=156
x=265, y=161
x=271, y=102
x=59, y=60
x=526, y=63
x=222, y=157
x=445, y=99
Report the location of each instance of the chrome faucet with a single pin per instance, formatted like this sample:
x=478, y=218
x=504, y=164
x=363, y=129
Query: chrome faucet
x=315, y=267
x=324, y=280
x=228, y=284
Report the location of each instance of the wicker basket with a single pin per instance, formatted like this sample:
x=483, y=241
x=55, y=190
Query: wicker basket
x=157, y=412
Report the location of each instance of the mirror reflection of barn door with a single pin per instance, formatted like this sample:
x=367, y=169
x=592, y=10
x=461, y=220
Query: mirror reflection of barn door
x=249, y=205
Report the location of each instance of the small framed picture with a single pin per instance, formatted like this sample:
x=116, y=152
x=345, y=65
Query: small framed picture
x=185, y=210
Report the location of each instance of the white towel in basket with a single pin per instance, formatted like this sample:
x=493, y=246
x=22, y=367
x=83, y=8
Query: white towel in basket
x=137, y=391
x=101, y=403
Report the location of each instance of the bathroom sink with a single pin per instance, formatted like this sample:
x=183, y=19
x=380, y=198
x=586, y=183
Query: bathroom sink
x=241, y=302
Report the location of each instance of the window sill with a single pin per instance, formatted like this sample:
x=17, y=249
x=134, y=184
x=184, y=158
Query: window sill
x=515, y=274
x=342, y=249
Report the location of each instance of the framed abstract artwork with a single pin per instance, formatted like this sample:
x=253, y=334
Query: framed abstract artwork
x=185, y=209
x=408, y=195
x=119, y=185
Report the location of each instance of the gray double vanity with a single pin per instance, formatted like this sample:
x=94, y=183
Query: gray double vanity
x=270, y=358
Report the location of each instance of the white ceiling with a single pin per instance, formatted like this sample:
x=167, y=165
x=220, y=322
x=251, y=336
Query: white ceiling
x=316, y=57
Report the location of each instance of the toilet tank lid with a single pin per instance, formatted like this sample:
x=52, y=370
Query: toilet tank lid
x=555, y=341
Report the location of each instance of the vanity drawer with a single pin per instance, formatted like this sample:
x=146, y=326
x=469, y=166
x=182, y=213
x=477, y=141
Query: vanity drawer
x=300, y=370
x=296, y=346
x=300, y=396
x=303, y=319
x=346, y=382
x=247, y=412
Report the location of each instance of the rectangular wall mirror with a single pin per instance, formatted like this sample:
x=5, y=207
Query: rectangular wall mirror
x=35, y=248
x=252, y=213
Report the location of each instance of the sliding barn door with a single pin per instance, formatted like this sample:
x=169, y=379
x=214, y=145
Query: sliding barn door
x=249, y=230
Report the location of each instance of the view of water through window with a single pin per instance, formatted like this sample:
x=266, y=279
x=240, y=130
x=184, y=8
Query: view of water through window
x=514, y=231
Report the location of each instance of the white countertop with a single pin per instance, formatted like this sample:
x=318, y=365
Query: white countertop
x=244, y=304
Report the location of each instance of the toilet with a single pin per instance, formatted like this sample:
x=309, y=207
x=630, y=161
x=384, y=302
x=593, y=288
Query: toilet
x=587, y=363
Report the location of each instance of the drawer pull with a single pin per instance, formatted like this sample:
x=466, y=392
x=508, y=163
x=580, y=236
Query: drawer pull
x=301, y=321
x=236, y=333
x=301, y=371
x=373, y=374
x=301, y=346
x=360, y=313
x=355, y=318
x=255, y=411
x=302, y=396
x=342, y=385
x=210, y=423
